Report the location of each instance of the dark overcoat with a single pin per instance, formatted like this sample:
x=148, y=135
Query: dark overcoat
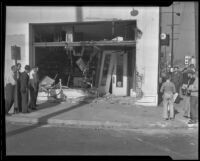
x=24, y=89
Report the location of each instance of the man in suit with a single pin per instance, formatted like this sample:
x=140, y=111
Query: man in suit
x=17, y=93
x=177, y=80
x=34, y=85
x=24, y=89
x=36, y=82
x=31, y=90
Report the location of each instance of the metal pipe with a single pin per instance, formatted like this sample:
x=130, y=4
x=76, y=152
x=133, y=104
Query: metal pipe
x=172, y=42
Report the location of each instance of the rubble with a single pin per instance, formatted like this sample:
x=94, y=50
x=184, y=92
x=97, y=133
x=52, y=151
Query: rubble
x=112, y=99
x=91, y=95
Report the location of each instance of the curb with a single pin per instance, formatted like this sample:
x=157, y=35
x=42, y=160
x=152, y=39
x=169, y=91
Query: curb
x=97, y=124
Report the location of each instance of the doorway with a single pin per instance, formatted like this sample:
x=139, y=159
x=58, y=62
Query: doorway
x=119, y=76
x=117, y=72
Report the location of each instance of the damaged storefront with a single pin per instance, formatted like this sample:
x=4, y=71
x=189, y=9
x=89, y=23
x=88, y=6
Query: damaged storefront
x=110, y=55
x=87, y=55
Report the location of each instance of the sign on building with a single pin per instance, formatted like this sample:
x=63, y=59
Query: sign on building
x=187, y=59
x=15, y=53
x=164, y=39
x=193, y=60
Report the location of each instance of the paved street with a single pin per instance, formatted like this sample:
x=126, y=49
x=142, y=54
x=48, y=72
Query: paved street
x=62, y=140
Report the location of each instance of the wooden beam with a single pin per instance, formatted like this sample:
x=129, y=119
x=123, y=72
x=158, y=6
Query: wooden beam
x=84, y=43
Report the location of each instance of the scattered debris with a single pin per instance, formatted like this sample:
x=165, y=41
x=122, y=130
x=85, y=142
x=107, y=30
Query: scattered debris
x=46, y=81
x=112, y=99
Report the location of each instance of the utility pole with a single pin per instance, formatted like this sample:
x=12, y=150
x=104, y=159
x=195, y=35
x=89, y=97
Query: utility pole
x=172, y=32
x=172, y=45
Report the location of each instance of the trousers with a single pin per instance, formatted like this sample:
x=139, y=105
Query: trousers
x=24, y=96
x=194, y=108
x=168, y=102
x=186, y=107
x=17, y=97
x=9, y=97
x=31, y=97
x=35, y=98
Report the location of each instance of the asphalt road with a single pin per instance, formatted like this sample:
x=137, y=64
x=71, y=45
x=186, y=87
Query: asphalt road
x=54, y=140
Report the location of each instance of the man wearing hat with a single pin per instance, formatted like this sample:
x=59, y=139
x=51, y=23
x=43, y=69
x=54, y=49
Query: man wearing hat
x=36, y=81
x=24, y=89
x=194, y=100
x=17, y=93
x=34, y=85
x=186, y=94
x=177, y=79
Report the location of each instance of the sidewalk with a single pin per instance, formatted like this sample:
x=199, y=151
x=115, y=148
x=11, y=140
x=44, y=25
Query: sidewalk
x=102, y=114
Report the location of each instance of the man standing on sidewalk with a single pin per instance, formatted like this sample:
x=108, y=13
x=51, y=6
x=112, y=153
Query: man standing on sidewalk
x=190, y=81
x=31, y=90
x=194, y=100
x=36, y=81
x=17, y=93
x=24, y=88
x=9, y=89
x=168, y=88
x=34, y=85
x=177, y=80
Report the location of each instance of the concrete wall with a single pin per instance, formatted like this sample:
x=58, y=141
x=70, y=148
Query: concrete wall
x=147, y=53
x=18, y=19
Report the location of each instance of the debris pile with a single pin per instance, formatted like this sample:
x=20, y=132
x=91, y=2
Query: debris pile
x=112, y=99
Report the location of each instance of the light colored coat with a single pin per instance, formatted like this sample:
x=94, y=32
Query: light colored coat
x=194, y=88
x=10, y=78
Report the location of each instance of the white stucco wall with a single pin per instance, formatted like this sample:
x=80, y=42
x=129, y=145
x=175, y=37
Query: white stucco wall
x=147, y=51
x=18, y=19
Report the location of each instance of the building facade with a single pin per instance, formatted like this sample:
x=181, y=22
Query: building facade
x=109, y=28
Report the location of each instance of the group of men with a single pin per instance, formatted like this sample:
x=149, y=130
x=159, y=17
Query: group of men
x=184, y=84
x=21, y=89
